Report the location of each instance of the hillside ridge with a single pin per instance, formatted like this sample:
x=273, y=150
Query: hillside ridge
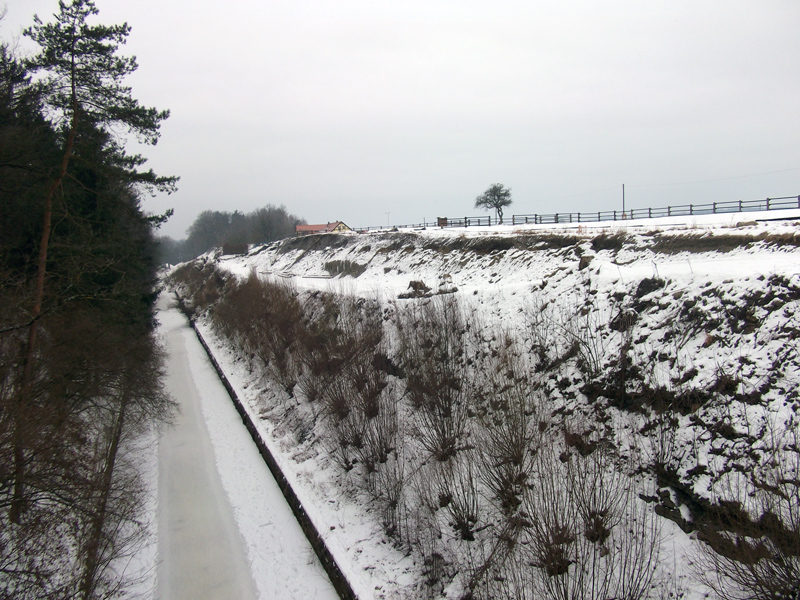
x=674, y=349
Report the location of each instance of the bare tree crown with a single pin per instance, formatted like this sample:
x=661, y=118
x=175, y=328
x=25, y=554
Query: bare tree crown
x=496, y=197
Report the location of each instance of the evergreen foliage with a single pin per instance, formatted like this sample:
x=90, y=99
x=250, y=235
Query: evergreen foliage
x=80, y=369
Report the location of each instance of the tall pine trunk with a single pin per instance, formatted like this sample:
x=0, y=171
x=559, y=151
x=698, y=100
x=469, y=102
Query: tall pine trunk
x=26, y=383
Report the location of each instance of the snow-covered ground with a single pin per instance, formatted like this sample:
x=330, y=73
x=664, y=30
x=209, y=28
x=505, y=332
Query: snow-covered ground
x=500, y=281
x=224, y=528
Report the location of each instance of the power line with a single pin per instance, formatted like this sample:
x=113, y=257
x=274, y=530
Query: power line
x=713, y=180
x=585, y=193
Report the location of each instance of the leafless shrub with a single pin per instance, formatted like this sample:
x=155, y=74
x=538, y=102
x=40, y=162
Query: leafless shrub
x=342, y=336
x=590, y=536
x=512, y=425
x=457, y=492
x=380, y=435
x=573, y=330
x=666, y=243
x=200, y=283
x=266, y=317
x=753, y=550
x=509, y=580
x=606, y=241
x=432, y=350
x=583, y=327
x=345, y=267
x=386, y=484
x=545, y=336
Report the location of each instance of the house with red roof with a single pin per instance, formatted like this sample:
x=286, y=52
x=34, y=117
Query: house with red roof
x=335, y=227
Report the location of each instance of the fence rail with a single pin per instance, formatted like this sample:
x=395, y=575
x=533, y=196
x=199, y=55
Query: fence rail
x=682, y=210
x=785, y=202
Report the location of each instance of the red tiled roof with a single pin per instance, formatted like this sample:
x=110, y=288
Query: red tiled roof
x=318, y=228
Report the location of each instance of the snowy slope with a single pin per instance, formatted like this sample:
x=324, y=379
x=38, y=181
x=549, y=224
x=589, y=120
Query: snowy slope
x=705, y=308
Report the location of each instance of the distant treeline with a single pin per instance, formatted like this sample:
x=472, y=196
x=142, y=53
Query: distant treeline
x=214, y=228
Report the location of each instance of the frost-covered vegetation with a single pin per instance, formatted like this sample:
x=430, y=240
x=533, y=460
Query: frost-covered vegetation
x=537, y=415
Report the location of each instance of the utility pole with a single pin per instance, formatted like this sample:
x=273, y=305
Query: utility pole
x=623, y=200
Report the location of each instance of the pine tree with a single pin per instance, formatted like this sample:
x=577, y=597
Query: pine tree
x=94, y=374
x=83, y=92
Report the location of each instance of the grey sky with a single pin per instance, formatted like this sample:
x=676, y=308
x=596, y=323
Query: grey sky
x=352, y=109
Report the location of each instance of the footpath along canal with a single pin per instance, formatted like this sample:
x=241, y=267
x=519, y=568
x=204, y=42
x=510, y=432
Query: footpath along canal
x=224, y=528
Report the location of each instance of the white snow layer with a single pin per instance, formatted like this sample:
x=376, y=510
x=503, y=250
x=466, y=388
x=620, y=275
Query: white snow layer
x=498, y=284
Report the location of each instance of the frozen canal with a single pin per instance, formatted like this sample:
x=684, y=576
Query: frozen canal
x=224, y=529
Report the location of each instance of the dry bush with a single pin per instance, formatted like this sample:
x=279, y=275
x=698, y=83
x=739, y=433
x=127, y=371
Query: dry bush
x=672, y=244
x=381, y=433
x=606, y=241
x=510, y=580
x=590, y=536
x=427, y=538
x=345, y=267
x=347, y=346
x=572, y=330
x=265, y=317
x=386, y=484
x=341, y=335
x=583, y=328
x=241, y=307
x=457, y=490
x=432, y=349
x=512, y=424
x=543, y=334
x=344, y=368
x=753, y=548
x=200, y=283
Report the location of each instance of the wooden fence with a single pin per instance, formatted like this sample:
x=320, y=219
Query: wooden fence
x=682, y=210
x=782, y=203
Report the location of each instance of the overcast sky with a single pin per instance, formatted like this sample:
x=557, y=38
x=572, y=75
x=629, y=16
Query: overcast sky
x=352, y=109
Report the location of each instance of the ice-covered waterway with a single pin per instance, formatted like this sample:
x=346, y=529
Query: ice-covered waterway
x=224, y=529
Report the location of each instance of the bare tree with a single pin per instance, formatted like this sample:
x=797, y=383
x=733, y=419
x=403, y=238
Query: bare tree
x=496, y=198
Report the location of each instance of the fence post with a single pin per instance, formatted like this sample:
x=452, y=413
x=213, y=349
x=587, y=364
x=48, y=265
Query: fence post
x=615, y=215
x=740, y=206
x=598, y=215
x=669, y=211
x=691, y=209
x=714, y=208
x=767, y=203
x=649, y=213
x=579, y=217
